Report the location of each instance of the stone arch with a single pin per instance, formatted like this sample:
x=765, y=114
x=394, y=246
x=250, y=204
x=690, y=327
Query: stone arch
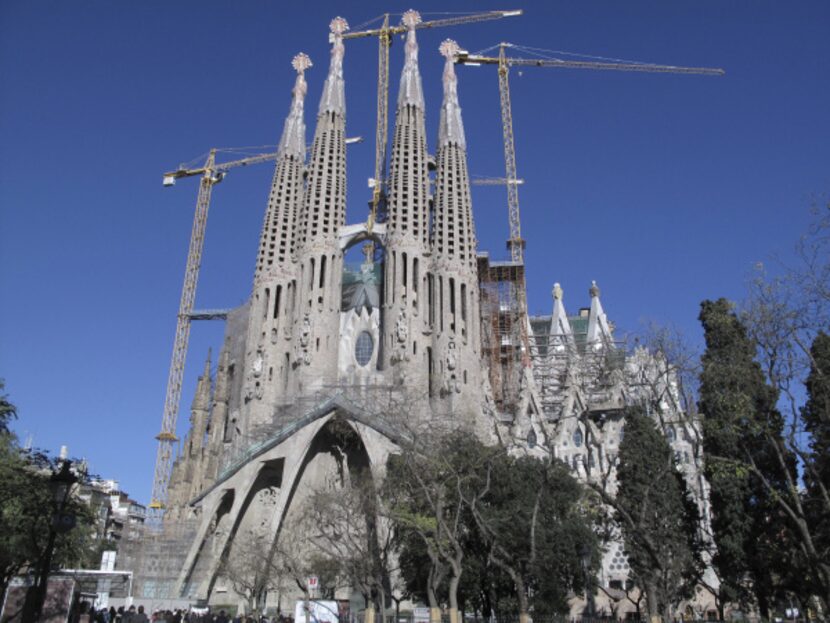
x=262, y=495
x=212, y=535
x=304, y=465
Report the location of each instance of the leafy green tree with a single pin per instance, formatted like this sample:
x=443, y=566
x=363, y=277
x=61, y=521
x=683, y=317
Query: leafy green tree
x=27, y=508
x=424, y=496
x=747, y=463
x=8, y=411
x=530, y=519
x=657, y=516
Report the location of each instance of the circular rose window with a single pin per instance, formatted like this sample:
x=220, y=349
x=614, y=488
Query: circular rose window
x=363, y=348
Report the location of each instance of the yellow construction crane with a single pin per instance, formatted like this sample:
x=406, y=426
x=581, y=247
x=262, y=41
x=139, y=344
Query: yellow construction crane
x=515, y=243
x=504, y=62
x=384, y=35
x=212, y=173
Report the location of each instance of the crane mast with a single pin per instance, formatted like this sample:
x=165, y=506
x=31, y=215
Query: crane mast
x=504, y=62
x=515, y=243
x=211, y=174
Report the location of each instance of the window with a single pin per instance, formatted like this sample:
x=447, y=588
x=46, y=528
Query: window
x=363, y=349
x=577, y=438
x=267, y=302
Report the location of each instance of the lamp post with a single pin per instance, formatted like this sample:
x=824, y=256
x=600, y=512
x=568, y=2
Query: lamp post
x=60, y=485
x=586, y=556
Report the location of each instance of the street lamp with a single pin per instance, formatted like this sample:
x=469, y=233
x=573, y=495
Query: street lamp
x=60, y=485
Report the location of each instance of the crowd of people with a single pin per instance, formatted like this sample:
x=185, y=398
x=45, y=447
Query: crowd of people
x=88, y=614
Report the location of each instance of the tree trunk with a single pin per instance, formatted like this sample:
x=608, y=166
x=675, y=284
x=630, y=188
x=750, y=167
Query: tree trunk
x=432, y=600
x=452, y=590
x=652, y=604
x=521, y=596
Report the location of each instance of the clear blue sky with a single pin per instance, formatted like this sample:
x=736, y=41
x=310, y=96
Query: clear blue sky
x=665, y=189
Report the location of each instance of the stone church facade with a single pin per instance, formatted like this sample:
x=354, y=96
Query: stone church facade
x=370, y=324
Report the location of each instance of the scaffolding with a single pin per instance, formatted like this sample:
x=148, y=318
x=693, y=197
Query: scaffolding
x=504, y=335
x=564, y=365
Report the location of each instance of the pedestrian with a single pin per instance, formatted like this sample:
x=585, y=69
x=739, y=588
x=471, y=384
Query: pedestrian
x=140, y=617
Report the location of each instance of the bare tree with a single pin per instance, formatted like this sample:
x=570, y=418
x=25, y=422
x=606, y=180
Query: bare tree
x=784, y=314
x=345, y=527
x=252, y=570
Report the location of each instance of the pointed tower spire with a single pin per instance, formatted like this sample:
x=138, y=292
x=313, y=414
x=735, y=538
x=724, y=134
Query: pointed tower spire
x=404, y=318
x=408, y=176
x=315, y=295
x=334, y=93
x=561, y=334
x=451, y=128
x=324, y=209
x=276, y=242
x=293, y=134
x=454, y=232
x=598, y=328
x=456, y=336
x=411, y=92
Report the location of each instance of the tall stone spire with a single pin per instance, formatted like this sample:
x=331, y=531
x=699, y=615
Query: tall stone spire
x=277, y=238
x=451, y=128
x=334, y=92
x=456, y=334
x=319, y=258
x=292, y=142
x=405, y=281
x=411, y=92
x=408, y=177
x=453, y=235
x=324, y=208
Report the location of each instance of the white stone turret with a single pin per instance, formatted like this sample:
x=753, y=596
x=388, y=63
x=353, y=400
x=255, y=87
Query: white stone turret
x=317, y=310
x=406, y=347
x=599, y=332
x=454, y=309
x=561, y=335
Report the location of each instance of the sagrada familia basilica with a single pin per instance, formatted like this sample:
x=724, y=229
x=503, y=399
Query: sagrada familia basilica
x=380, y=325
